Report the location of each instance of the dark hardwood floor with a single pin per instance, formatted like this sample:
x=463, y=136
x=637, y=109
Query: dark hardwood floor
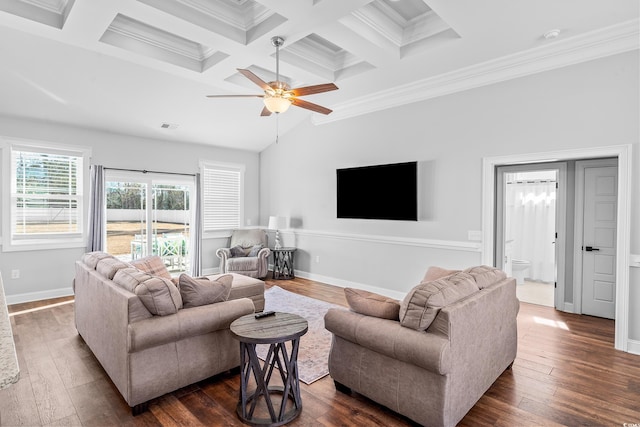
x=566, y=373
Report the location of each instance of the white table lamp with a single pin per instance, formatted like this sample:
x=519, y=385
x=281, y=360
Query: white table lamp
x=276, y=223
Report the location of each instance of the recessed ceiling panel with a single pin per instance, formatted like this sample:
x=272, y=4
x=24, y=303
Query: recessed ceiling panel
x=240, y=20
x=49, y=12
x=324, y=58
x=138, y=37
x=407, y=26
x=266, y=75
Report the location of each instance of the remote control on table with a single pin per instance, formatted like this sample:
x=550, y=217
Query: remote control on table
x=265, y=314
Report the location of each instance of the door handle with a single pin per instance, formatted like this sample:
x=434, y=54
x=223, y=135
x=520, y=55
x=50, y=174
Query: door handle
x=591, y=249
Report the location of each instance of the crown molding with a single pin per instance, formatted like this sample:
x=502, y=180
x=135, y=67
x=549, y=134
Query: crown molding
x=601, y=43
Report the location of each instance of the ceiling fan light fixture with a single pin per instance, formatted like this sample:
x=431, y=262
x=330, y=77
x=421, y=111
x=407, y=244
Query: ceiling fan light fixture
x=277, y=104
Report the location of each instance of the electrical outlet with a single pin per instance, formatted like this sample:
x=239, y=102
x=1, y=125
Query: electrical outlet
x=15, y=274
x=475, y=236
x=318, y=259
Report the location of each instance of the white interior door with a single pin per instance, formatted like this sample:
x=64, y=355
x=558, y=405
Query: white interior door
x=599, y=241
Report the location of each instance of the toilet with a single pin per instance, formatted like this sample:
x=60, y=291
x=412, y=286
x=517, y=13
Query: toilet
x=519, y=267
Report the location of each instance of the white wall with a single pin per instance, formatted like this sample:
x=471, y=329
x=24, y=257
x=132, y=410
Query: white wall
x=45, y=274
x=592, y=104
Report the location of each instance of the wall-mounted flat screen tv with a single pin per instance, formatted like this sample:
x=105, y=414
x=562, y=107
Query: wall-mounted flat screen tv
x=379, y=192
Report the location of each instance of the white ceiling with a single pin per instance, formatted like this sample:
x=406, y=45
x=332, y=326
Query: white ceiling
x=128, y=66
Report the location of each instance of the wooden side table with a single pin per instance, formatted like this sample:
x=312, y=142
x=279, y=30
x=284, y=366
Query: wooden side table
x=274, y=330
x=283, y=263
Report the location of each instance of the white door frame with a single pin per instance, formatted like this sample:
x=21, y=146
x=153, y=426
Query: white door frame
x=560, y=221
x=623, y=232
x=578, y=230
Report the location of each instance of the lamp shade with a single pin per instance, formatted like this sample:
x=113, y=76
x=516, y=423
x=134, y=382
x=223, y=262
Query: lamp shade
x=277, y=223
x=277, y=104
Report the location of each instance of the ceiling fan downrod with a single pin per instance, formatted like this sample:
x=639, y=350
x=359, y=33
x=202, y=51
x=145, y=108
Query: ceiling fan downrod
x=277, y=41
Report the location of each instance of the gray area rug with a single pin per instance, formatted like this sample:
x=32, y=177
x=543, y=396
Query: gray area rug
x=313, y=353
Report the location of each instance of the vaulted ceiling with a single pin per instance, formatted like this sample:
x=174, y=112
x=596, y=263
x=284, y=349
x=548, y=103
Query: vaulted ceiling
x=144, y=67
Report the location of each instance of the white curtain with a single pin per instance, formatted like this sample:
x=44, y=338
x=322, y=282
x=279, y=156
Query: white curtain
x=531, y=222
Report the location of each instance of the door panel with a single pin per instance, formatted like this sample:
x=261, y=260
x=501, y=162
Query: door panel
x=599, y=241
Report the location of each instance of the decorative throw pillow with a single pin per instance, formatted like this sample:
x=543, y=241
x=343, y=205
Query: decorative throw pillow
x=197, y=291
x=152, y=265
x=159, y=296
x=371, y=304
x=237, y=251
x=485, y=275
x=435, y=273
x=130, y=278
x=254, y=250
x=423, y=303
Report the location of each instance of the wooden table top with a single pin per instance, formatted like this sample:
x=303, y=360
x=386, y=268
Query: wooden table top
x=268, y=330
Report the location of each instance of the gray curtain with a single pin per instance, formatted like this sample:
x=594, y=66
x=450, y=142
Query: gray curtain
x=97, y=210
x=196, y=232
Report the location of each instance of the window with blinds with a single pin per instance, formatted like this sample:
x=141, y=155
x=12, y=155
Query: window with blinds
x=46, y=195
x=222, y=193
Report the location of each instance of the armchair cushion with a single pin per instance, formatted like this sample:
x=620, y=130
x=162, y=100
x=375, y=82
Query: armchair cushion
x=202, y=291
x=237, y=251
x=423, y=302
x=254, y=250
x=372, y=304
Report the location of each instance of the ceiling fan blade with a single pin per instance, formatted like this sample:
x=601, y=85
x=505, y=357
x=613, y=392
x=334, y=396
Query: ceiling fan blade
x=257, y=80
x=265, y=112
x=310, y=106
x=235, y=96
x=310, y=90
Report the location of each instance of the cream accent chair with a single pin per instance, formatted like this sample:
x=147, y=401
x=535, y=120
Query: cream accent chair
x=252, y=266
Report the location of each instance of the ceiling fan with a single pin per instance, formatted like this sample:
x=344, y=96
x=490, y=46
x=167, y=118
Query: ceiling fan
x=278, y=96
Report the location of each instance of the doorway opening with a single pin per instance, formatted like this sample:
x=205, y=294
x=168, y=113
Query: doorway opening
x=530, y=230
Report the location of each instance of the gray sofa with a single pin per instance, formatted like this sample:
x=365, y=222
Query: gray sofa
x=148, y=355
x=433, y=375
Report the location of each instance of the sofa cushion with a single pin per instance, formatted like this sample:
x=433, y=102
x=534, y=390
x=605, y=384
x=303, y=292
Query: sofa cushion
x=485, y=275
x=108, y=266
x=372, y=304
x=435, y=273
x=91, y=258
x=159, y=295
x=152, y=265
x=423, y=302
x=129, y=278
x=202, y=291
x=237, y=251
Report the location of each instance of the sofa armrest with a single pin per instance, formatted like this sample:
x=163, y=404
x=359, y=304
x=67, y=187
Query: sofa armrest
x=264, y=253
x=186, y=323
x=388, y=337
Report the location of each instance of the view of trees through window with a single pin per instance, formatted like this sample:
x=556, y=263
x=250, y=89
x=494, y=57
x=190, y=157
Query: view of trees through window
x=130, y=222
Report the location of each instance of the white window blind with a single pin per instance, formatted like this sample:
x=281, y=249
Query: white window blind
x=222, y=197
x=46, y=194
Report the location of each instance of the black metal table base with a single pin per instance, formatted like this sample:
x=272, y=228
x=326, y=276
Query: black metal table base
x=277, y=357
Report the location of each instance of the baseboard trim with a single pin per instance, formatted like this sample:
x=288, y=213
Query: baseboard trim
x=38, y=296
x=633, y=346
x=394, y=240
x=210, y=271
x=349, y=284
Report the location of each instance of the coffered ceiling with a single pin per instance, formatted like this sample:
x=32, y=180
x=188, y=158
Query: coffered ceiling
x=144, y=67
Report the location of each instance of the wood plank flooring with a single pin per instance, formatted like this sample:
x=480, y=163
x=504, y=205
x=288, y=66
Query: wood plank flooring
x=566, y=373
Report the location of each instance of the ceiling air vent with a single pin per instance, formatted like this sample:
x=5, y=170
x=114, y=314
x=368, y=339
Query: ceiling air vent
x=168, y=126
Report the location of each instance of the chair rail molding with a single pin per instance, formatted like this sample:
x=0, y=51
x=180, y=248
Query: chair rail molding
x=392, y=240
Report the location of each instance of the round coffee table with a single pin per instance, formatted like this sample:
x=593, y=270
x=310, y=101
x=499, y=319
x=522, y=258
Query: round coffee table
x=274, y=330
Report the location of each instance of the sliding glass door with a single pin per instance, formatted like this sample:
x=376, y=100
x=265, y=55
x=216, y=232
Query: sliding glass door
x=149, y=214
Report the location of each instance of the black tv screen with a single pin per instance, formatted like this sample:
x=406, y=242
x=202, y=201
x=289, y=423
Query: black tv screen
x=379, y=192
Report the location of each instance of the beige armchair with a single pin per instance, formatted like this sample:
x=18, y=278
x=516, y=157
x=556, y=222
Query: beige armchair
x=244, y=254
